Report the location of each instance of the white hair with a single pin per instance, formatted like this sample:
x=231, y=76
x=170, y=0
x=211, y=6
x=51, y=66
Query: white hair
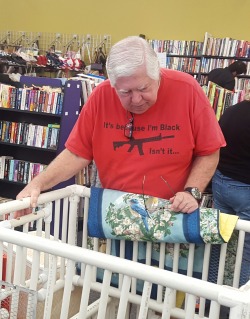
x=129, y=54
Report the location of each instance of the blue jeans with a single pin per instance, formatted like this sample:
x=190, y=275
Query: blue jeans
x=233, y=197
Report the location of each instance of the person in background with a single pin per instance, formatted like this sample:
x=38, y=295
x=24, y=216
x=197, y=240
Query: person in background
x=225, y=77
x=231, y=182
x=149, y=130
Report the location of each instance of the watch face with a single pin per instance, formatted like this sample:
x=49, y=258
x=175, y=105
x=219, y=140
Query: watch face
x=196, y=193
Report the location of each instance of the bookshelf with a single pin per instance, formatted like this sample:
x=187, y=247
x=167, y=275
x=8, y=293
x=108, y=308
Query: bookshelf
x=209, y=63
x=220, y=98
x=199, y=58
x=33, y=153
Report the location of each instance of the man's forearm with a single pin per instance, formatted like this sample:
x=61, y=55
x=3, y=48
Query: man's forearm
x=63, y=167
x=202, y=171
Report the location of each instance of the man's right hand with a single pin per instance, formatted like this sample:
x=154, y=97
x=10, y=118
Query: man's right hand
x=33, y=191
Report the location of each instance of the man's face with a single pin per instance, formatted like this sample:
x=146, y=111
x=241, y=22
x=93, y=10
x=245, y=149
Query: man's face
x=138, y=92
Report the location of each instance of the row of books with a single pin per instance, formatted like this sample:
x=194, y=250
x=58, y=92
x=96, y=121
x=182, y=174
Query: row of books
x=177, y=47
x=30, y=134
x=241, y=83
x=31, y=99
x=202, y=80
x=225, y=46
x=220, y=98
x=19, y=171
x=83, y=177
x=184, y=64
x=210, y=45
x=203, y=65
x=89, y=82
x=208, y=64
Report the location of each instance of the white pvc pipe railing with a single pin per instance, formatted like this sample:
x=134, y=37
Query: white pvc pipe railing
x=65, y=209
x=230, y=297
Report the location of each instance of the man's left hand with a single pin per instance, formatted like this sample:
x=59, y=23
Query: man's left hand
x=183, y=202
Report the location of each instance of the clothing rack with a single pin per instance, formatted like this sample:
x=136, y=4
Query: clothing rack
x=61, y=43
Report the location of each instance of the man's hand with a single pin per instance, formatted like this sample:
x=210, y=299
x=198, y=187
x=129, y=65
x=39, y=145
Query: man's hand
x=183, y=202
x=33, y=191
x=63, y=167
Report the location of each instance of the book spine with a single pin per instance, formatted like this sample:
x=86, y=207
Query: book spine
x=41, y=101
x=27, y=99
x=31, y=106
x=15, y=170
x=1, y=128
x=26, y=172
x=13, y=98
x=11, y=170
x=6, y=168
x=22, y=106
x=19, y=98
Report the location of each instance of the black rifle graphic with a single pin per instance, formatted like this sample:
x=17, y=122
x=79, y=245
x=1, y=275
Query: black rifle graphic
x=139, y=142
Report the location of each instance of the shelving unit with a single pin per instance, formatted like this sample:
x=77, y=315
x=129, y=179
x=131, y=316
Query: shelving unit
x=200, y=66
x=67, y=119
x=210, y=62
x=199, y=58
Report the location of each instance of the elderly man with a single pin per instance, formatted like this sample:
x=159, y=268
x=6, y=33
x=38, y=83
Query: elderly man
x=148, y=130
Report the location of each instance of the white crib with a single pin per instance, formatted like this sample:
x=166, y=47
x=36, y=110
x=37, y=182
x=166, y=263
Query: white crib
x=45, y=259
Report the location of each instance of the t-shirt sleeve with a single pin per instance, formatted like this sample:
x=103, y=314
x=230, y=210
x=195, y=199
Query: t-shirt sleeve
x=79, y=141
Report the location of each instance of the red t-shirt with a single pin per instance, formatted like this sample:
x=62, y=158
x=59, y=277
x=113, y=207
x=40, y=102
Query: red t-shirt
x=178, y=127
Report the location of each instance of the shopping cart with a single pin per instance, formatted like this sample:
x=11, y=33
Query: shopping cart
x=73, y=279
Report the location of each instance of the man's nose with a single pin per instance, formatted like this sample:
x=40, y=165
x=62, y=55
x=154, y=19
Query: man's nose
x=136, y=97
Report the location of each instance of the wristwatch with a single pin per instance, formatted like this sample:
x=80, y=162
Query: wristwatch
x=194, y=191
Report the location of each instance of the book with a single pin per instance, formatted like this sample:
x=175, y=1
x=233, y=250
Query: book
x=220, y=103
x=23, y=99
x=227, y=100
x=45, y=104
x=31, y=105
x=54, y=102
x=30, y=134
x=12, y=134
x=26, y=172
x=7, y=166
x=2, y=165
x=1, y=127
x=27, y=99
x=6, y=92
x=211, y=92
x=53, y=130
x=20, y=171
x=7, y=132
x=215, y=99
x=41, y=101
x=39, y=135
x=13, y=96
x=36, y=100
x=19, y=98
x=3, y=130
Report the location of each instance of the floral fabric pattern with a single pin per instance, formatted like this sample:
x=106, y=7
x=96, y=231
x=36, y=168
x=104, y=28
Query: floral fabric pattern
x=120, y=215
x=127, y=223
x=209, y=226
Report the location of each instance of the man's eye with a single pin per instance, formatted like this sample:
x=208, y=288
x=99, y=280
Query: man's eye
x=125, y=93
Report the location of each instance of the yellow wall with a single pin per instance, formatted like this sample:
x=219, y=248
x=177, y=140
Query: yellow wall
x=158, y=19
